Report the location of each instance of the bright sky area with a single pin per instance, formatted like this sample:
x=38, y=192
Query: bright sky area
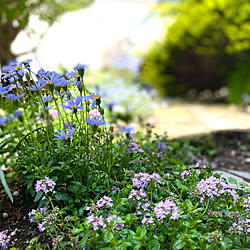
x=89, y=35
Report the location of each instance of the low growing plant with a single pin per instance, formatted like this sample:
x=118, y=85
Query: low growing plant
x=101, y=187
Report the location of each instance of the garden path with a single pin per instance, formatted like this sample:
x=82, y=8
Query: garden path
x=182, y=119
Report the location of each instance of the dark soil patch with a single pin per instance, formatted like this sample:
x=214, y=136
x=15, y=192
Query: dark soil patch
x=232, y=151
x=14, y=216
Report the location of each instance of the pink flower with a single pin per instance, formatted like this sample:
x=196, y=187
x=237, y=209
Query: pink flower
x=94, y=113
x=53, y=114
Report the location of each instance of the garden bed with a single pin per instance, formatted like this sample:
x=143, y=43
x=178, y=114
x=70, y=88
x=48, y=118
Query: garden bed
x=228, y=150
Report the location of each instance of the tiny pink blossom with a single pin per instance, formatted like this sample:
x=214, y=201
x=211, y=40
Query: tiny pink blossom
x=94, y=113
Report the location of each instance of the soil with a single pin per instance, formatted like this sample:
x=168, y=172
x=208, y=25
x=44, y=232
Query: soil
x=232, y=152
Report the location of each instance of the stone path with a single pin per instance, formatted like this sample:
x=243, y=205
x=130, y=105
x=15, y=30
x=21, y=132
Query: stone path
x=182, y=119
x=187, y=119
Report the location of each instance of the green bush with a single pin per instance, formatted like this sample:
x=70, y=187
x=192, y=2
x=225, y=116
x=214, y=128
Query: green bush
x=202, y=47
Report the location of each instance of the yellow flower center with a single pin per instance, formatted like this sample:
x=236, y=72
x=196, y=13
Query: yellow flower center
x=76, y=75
x=14, y=86
x=48, y=82
x=73, y=106
x=67, y=137
x=96, y=96
x=18, y=67
x=162, y=146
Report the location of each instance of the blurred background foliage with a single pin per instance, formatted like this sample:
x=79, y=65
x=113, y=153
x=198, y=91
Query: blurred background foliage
x=14, y=17
x=207, y=46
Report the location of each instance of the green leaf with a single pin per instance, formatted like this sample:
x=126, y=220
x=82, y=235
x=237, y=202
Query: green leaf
x=108, y=236
x=5, y=185
x=141, y=231
x=189, y=204
x=77, y=230
x=58, y=196
x=154, y=245
x=247, y=190
x=84, y=240
x=38, y=196
x=179, y=244
x=232, y=180
x=180, y=185
x=243, y=184
x=227, y=243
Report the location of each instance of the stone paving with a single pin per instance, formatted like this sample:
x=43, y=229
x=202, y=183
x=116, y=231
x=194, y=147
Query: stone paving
x=182, y=119
x=187, y=119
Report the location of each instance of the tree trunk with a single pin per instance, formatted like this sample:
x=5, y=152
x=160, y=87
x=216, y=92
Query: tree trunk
x=8, y=34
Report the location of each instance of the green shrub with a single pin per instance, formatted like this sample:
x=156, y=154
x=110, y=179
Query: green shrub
x=201, y=48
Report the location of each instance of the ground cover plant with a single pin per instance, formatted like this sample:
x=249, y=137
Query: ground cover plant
x=100, y=186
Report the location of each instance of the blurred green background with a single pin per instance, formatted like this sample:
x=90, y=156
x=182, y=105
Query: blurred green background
x=207, y=47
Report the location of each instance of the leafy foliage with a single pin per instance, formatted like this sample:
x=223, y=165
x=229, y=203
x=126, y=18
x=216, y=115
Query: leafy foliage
x=206, y=41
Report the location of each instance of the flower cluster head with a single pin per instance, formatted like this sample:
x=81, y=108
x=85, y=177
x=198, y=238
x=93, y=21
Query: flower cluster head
x=45, y=185
x=136, y=195
x=212, y=187
x=56, y=240
x=36, y=214
x=133, y=147
x=104, y=201
x=62, y=135
x=163, y=209
x=73, y=105
x=147, y=221
x=4, y=240
x=117, y=226
x=199, y=165
x=96, y=221
x=141, y=180
x=247, y=204
x=215, y=237
x=215, y=214
x=186, y=173
x=49, y=220
x=240, y=227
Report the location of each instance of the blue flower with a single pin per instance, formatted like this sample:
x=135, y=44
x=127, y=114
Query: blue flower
x=95, y=121
x=17, y=113
x=73, y=75
x=94, y=98
x=56, y=79
x=2, y=120
x=162, y=146
x=81, y=69
x=45, y=98
x=13, y=97
x=63, y=136
x=74, y=105
x=13, y=71
x=3, y=90
x=38, y=84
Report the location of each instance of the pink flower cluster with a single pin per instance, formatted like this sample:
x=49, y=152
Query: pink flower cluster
x=133, y=147
x=105, y=200
x=163, y=209
x=141, y=180
x=240, y=227
x=212, y=187
x=215, y=237
x=45, y=185
x=147, y=221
